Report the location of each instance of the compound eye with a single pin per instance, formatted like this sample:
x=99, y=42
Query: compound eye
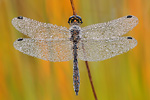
x=70, y=19
x=79, y=19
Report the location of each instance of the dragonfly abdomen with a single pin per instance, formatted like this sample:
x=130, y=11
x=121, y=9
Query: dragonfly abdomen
x=76, y=77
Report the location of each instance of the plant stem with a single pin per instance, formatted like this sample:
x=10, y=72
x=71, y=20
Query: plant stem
x=73, y=8
x=90, y=78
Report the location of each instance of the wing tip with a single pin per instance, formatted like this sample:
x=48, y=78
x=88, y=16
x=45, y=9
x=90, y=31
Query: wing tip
x=14, y=20
x=134, y=41
x=18, y=40
x=132, y=17
x=17, y=18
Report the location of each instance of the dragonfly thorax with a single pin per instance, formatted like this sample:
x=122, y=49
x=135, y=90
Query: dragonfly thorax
x=75, y=33
x=75, y=28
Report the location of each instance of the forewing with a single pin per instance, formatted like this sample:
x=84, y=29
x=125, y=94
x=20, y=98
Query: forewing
x=97, y=50
x=36, y=29
x=109, y=29
x=50, y=50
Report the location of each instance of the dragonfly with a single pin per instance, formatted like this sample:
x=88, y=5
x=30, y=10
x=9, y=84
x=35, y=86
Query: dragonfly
x=95, y=42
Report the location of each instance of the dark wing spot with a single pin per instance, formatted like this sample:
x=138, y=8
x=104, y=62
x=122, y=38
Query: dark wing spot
x=129, y=16
x=20, y=39
x=129, y=37
x=20, y=17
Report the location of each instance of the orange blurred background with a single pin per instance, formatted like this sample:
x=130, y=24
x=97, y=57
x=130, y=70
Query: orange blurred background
x=124, y=77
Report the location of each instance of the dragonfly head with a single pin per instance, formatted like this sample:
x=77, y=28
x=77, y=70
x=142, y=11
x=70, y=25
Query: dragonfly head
x=75, y=20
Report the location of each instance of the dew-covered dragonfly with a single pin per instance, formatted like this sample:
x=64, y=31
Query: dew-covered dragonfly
x=91, y=43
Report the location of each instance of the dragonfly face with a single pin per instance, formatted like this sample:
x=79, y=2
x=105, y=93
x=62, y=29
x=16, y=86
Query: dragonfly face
x=91, y=43
x=75, y=20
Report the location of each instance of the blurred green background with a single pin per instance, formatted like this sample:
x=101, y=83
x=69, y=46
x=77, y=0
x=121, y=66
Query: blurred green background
x=124, y=77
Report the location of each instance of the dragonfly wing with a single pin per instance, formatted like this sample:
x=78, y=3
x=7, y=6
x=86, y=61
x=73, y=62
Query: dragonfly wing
x=50, y=50
x=97, y=50
x=109, y=29
x=36, y=29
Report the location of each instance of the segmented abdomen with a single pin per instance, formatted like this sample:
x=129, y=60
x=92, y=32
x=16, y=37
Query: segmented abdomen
x=76, y=77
